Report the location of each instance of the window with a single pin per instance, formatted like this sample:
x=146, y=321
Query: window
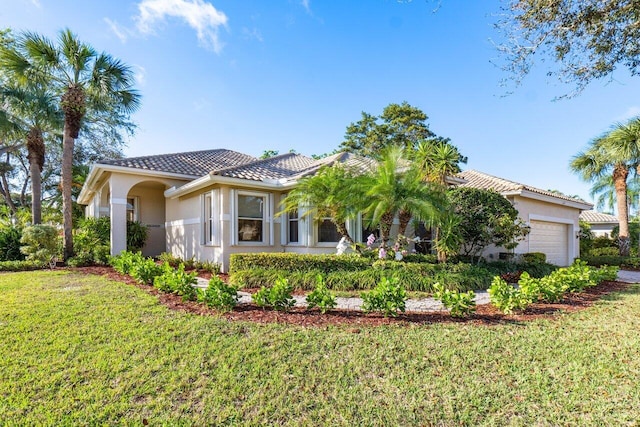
x=293, y=229
x=132, y=208
x=251, y=217
x=211, y=217
x=327, y=231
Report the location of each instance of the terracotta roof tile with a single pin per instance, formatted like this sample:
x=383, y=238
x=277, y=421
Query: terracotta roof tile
x=593, y=217
x=476, y=179
x=193, y=163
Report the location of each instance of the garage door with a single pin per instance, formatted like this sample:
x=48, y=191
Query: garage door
x=550, y=238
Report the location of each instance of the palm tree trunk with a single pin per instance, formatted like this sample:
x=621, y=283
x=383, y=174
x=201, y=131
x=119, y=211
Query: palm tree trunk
x=35, y=148
x=404, y=218
x=66, y=182
x=385, y=228
x=620, y=174
x=342, y=229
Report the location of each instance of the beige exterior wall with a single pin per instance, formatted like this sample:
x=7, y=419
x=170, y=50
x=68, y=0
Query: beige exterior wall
x=538, y=210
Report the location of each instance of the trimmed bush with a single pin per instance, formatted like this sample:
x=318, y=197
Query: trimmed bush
x=219, y=295
x=499, y=268
x=21, y=265
x=606, y=251
x=321, y=297
x=298, y=262
x=176, y=281
x=534, y=258
x=387, y=297
x=277, y=297
x=460, y=304
x=505, y=297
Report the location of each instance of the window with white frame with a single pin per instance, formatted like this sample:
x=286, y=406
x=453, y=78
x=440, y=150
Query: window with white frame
x=293, y=227
x=211, y=217
x=132, y=208
x=251, y=217
x=327, y=231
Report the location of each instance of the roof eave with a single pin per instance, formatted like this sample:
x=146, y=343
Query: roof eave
x=583, y=206
x=211, y=179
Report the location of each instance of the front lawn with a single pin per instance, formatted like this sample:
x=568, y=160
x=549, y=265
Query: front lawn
x=78, y=349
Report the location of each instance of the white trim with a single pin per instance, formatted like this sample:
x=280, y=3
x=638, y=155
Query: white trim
x=536, y=217
x=267, y=216
x=182, y=222
x=549, y=199
x=118, y=201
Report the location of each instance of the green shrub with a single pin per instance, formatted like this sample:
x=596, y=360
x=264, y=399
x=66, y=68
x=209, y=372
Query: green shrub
x=208, y=266
x=606, y=272
x=21, y=265
x=176, y=281
x=91, y=242
x=145, y=270
x=10, y=244
x=298, y=262
x=421, y=258
x=505, y=297
x=534, y=258
x=388, y=297
x=460, y=304
x=137, y=234
x=278, y=296
x=606, y=251
x=40, y=244
x=219, y=295
x=125, y=261
x=321, y=297
x=169, y=258
x=499, y=268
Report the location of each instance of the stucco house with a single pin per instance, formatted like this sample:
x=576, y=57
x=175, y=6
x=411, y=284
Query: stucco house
x=553, y=218
x=601, y=224
x=213, y=203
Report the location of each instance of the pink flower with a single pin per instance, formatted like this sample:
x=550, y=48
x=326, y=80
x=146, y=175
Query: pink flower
x=371, y=240
x=382, y=253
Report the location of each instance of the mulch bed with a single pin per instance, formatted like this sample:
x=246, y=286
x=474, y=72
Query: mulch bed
x=485, y=314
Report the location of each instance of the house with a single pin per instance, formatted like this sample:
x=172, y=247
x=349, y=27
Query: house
x=213, y=203
x=210, y=204
x=601, y=224
x=553, y=217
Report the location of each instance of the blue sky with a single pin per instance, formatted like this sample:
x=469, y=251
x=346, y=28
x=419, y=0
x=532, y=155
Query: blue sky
x=254, y=75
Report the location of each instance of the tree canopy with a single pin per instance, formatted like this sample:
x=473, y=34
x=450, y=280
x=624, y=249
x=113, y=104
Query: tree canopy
x=486, y=218
x=588, y=39
x=400, y=125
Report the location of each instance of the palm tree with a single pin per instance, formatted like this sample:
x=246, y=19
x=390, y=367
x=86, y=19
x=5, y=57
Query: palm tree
x=35, y=109
x=82, y=80
x=604, y=193
x=615, y=153
x=396, y=187
x=333, y=192
x=437, y=160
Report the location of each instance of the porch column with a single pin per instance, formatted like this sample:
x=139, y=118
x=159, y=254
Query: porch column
x=118, y=213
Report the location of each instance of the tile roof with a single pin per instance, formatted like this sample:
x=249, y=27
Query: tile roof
x=476, y=179
x=278, y=167
x=193, y=163
x=593, y=217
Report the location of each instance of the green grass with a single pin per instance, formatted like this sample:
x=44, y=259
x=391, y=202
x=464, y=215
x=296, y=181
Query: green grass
x=84, y=350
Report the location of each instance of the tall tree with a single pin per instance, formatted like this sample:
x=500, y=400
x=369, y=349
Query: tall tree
x=399, y=125
x=604, y=192
x=83, y=80
x=34, y=107
x=437, y=159
x=587, y=38
x=615, y=153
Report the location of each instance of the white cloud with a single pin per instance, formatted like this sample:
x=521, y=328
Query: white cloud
x=633, y=111
x=306, y=4
x=252, y=34
x=120, y=32
x=140, y=74
x=198, y=14
x=36, y=3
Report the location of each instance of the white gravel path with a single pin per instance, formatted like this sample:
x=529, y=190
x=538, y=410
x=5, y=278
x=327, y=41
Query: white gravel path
x=415, y=305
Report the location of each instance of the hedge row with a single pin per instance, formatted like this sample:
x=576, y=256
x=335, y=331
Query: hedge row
x=298, y=262
x=413, y=277
x=620, y=261
x=21, y=265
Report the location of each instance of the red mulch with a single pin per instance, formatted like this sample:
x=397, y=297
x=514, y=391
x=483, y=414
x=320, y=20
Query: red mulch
x=485, y=314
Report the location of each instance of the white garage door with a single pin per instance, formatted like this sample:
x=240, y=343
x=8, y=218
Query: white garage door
x=550, y=238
